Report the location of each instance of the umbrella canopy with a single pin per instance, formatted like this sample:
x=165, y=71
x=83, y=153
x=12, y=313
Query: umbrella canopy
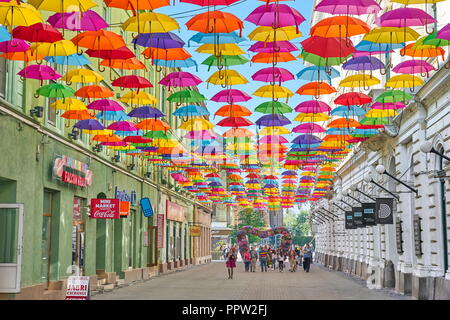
x=413, y=67
x=272, y=120
x=82, y=76
x=89, y=124
x=391, y=35
x=308, y=128
x=230, y=49
x=146, y=112
x=132, y=82
x=358, y=81
x=105, y=105
x=423, y=51
x=16, y=13
x=275, y=15
x=339, y=26
x=150, y=22
x=231, y=37
x=311, y=117
x=316, y=73
x=215, y=22
x=405, y=17
x=226, y=77
x=404, y=81
x=352, y=98
x=55, y=90
x=276, y=57
x=328, y=47
x=234, y=122
x=99, y=40
x=196, y=124
x=271, y=47
x=273, y=75
x=138, y=98
x=120, y=53
x=39, y=72
x=70, y=60
x=78, y=21
x=127, y=64
x=392, y=96
x=312, y=106
x=363, y=63
x=233, y=110
x=348, y=111
x=388, y=105
x=191, y=110
x=38, y=32
x=162, y=40
x=238, y=133
x=344, y=123
x=77, y=115
x=180, y=79
x=230, y=96
x=273, y=91
x=94, y=92
x=224, y=60
x=273, y=107
x=186, y=96
x=269, y=34
x=315, y=89
x=135, y=5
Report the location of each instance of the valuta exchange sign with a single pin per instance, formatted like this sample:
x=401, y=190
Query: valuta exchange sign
x=105, y=208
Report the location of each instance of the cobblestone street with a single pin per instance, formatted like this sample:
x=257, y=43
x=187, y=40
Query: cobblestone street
x=209, y=282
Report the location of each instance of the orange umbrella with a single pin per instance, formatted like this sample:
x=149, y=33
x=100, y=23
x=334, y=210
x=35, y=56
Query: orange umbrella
x=315, y=89
x=170, y=150
x=238, y=132
x=106, y=138
x=26, y=56
x=152, y=125
x=128, y=64
x=233, y=110
x=422, y=51
x=99, y=40
x=336, y=137
x=166, y=54
x=137, y=4
x=268, y=57
x=94, y=92
x=77, y=115
x=215, y=22
x=344, y=123
x=339, y=26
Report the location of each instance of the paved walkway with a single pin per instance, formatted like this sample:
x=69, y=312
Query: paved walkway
x=210, y=282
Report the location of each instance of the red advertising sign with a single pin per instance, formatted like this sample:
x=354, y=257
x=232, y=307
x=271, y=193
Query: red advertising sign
x=77, y=288
x=105, y=208
x=175, y=212
x=124, y=208
x=160, y=231
x=72, y=171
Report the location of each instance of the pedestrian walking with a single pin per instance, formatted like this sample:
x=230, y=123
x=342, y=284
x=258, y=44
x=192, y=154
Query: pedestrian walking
x=281, y=259
x=292, y=261
x=254, y=258
x=263, y=258
x=225, y=252
x=231, y=261
x=269, y=258
x=247, y=260
x=306, y=257
x=275, y=259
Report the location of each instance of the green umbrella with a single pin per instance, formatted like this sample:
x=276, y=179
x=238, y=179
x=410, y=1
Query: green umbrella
x=431, y=40
x=186, y=96
x=375, y=121
x=392, y=96
x=321, y=61
x=158, y=135
x=273, y=107
x=55, y=90
x=224, y=60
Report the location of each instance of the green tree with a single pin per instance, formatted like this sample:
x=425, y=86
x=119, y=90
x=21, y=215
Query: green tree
x=298, y=224
x=249, y=217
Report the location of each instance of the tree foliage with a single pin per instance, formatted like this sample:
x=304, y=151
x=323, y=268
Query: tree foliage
x=249, y=217
x=298, y=224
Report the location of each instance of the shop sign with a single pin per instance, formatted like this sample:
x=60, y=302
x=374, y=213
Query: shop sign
x=399, y=235
x=160, y=231
x=125, y=196
x=358, y=217
x=417, y=236
x=369, y=213
x=124, y=209
x=146, y=207
x=195, y=231
x=349, y=220
x=105, y=208
x=174, y=211
x=384, y=210
x=77, y=288
x=72, y=171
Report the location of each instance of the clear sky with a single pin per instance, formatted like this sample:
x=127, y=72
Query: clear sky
x=242, y=9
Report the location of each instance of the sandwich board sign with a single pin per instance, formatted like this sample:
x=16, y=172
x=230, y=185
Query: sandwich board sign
x=77, y=288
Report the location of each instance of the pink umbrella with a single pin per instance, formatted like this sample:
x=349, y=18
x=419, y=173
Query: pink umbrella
x=105, y=105
x=273, y=139
x=202, y=134
x=78, y=21
x=357, y=54
x=444, y=33
x=122, y=126
x=272, y=75
x=390, y=105
x=14, y=45
x=230, y=96
x=180, y=79
x=270, y=47
x=414, y=66
x=313, y=106
x=348, y=7
x=405, y=17
x=115, y=144
x=39, y=72
x=275, y=15
x=308, y=127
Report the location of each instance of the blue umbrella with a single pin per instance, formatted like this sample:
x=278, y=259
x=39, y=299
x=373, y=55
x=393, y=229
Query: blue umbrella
x=4, y=34
x=191, y=110
x=112, y=115
x=72, y=60
x=189, y=62
x=129, y=133
x=365, y=45
x=363, y=63
x=146, y=112
x=195, y=143
x=218, y=38
x=342, y=131
x=315, y=73
x=351, y=111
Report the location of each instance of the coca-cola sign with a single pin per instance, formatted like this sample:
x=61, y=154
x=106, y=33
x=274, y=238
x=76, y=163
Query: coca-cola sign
x=105, y=208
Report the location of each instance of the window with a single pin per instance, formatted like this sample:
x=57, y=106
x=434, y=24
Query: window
x=51, y=112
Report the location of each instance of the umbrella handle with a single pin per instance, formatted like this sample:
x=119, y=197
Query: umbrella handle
x=134, y=36
x=447, y=65
x=424, y=74
x=383, y=71
x=22, y=78
x=79, y=51
x=36, y=95
x=158, y=68
x=100, y=68
x=69, y=83
x=366, y=88
x=39, y=62
x=432, y=30
x=65, y=124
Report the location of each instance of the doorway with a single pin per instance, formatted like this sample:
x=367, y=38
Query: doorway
x=46, y=236
x=78, y=236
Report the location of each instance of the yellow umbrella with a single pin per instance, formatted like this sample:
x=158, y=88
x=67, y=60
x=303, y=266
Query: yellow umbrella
x=99, y=132
x=122, y=147
x=240, y=146
x=140, y=97
x=273, y=91
x=63, y=5
x=196, y=124
x=226, y=77
x=268, y=131
x=308, y=173
x=334, y=144
x=358, y=81
x=311, y=117
x=165, y=143
x=150, y=22
x=82, y=76
x=69, y=104
x=391, y=35
x=230, y=49
x=18, y=14
x=269, y=34
x=381, y=113
x=404, y=81
x=58, y=48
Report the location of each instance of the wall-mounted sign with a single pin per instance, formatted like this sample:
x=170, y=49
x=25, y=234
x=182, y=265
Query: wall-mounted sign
x=195, y=231
x=417, y=235
x=72, y=171
x=160, y=231
x=124, y=209
x=358, y=219
x=174, y=211
x=146, y=207
x=105, y=208
x=399, y=235
x=125, y=196
x=369, y=213
x=384, y=210
x=77, y=288
x=349, y=224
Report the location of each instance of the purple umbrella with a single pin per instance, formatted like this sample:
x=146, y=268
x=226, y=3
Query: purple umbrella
x=307, y=139
x=272, y=75
x=14, y=45
x=252, y=181
x=122, y=126
x=308, y=127
x=230, y=96
x=444, y=33
x=115, y=144
x=313, y=106
x=414, y=66
x=348, y=7
x=272, y=120
x=388, y=105
x=166, y=40
x=275, y=15
x=405, y=17
x=289, y=173
x=180, y=79
x=270, y=47
x=39, y=72
x=78, y=21
x=146, y=112
x=105, y=105
x=363, y=63
x=270, y=185
x=89, y=124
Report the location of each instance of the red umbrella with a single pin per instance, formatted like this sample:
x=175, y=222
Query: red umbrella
x=352, y=99
x=328, y=47
x=234, y=122
x=39, y=32
x=120, y=53
x=131, y=81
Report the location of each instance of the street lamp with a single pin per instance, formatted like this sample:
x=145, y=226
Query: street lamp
x=382, y=170
x=368, y=178
x=339, y=199
x=427, y=147
x=355, y=188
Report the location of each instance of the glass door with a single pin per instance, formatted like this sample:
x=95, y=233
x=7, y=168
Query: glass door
x=11, y=224
x=78, y=236
x=46, y=237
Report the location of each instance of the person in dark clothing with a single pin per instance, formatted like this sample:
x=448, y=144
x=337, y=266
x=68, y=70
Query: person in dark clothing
x=306, y=257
